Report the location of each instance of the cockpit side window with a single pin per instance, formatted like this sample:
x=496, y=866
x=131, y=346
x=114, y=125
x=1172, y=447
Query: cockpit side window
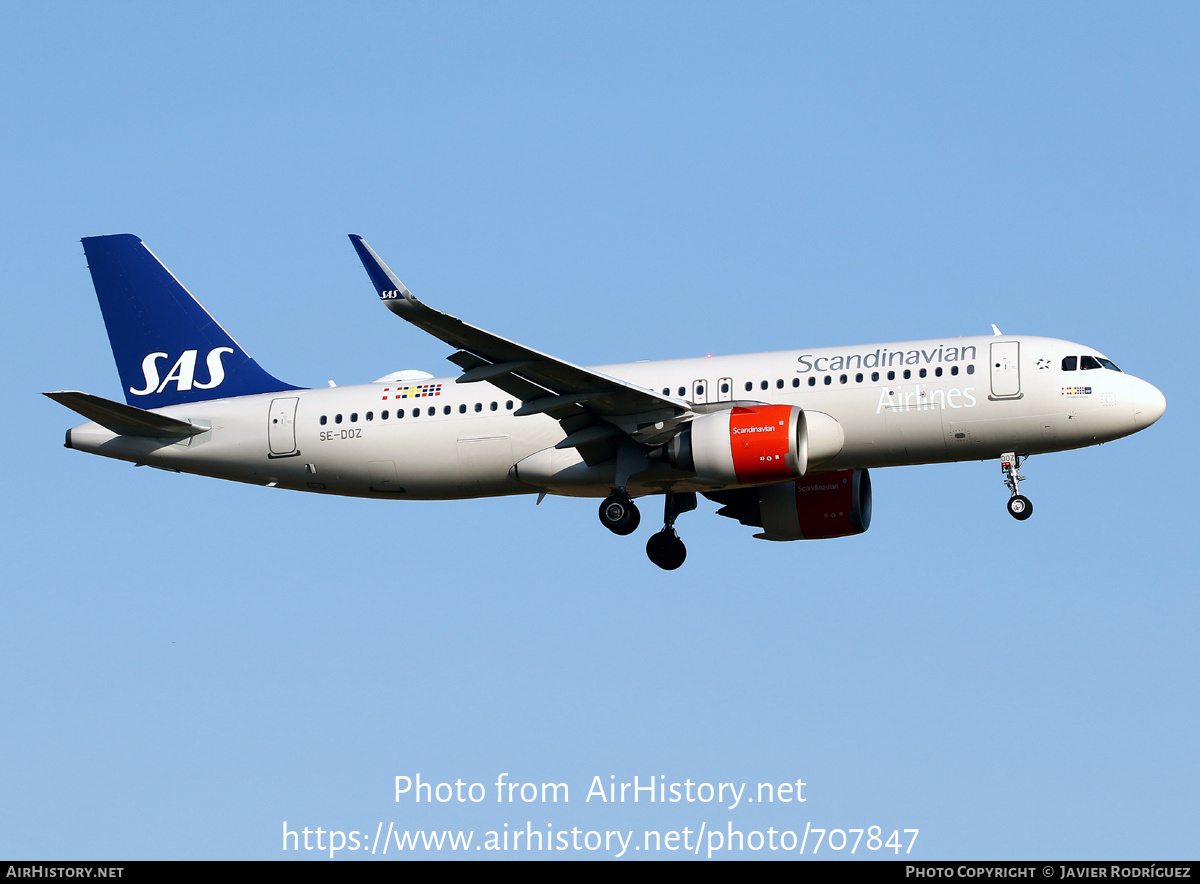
x=1088, y=362
x=1070, y=363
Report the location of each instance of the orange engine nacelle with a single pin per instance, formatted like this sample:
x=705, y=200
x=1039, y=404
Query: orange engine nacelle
x=755, y=445
x=821, y=505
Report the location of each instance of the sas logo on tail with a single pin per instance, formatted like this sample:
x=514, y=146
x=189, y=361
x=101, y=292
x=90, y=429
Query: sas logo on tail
x=183, y=372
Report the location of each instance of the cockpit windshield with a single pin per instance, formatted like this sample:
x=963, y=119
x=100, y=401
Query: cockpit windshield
x=1085, y=363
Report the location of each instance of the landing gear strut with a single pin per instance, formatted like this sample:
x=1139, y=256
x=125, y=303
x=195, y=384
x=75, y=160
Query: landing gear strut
x=1019, y=506
x=664, y=548
x=619, y=514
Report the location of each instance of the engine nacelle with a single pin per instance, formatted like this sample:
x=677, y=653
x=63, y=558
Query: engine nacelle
x=817, y=506
x=756, y=445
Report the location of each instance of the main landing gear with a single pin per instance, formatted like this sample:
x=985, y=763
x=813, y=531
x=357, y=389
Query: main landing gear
x=1019, y=506
x=620, y=515
x=665, y=549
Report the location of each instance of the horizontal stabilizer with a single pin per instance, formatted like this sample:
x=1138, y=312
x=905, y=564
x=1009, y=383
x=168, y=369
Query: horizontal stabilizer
x=125, y=420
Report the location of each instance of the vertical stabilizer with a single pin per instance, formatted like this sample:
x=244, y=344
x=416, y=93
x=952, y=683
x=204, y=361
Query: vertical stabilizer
x=168, y=348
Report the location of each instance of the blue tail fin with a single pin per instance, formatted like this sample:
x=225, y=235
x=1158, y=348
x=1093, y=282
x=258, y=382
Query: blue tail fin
x=168, y=349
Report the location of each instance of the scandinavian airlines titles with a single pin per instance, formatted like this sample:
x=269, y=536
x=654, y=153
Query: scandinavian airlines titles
x=882, y=357
x=921, y=398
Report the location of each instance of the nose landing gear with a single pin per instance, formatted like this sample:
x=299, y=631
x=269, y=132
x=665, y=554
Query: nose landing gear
x=1019, y=506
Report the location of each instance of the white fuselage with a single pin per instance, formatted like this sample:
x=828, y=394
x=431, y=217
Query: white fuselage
x=903, y=403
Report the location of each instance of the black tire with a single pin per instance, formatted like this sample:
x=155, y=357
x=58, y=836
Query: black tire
x=666, y=550
x=619, y=515
x=1019, y=507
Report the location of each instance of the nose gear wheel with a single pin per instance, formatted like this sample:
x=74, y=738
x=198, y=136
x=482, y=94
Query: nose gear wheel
x=1019, y=507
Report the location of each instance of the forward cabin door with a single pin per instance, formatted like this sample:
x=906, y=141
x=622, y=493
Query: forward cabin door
x=1006, y=370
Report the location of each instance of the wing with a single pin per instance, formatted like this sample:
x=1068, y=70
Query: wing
x=592, y=407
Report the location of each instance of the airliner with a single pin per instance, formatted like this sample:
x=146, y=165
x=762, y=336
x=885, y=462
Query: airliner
x=782, y=441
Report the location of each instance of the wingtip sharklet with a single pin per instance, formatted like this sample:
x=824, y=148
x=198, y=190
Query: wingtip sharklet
x=386, y=283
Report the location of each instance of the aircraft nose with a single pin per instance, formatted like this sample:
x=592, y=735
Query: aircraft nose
x=1148, y=406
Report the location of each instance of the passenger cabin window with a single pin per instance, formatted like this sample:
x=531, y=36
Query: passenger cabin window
x=324, y=420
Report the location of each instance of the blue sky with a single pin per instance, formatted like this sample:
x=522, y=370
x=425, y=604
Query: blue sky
x=187, y=664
